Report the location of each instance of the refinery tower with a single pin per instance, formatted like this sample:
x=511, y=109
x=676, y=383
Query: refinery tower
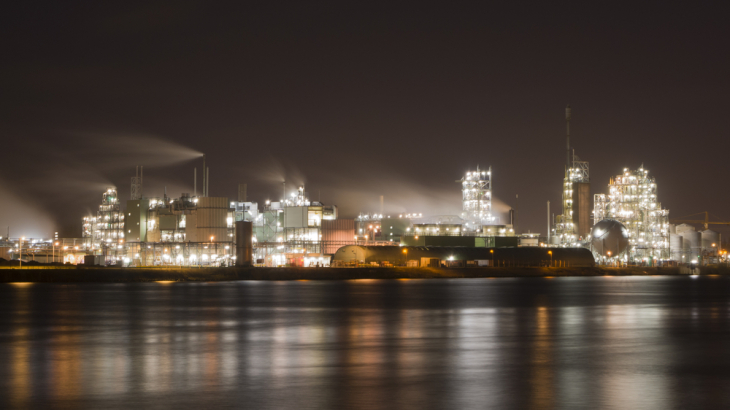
x=574, y=225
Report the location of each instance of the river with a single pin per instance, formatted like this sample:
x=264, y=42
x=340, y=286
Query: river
x=522, y=343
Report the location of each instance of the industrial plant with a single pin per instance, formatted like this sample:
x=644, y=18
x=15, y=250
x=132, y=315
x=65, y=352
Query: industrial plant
x=626, y=225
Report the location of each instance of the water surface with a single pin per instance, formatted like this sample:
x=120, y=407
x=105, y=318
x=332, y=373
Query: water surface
x=542, y=343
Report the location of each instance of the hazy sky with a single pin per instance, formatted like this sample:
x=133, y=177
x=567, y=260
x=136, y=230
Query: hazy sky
x=358, y=100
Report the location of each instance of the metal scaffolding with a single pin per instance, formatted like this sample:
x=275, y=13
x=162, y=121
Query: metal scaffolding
x=632, y=200
x=476, y=188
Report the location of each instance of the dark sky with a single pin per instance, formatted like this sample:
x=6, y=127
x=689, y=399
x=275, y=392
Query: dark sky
x=357, y=100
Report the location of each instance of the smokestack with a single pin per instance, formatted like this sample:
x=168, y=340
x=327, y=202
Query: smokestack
x=382, y=200
x=517, y=207
x=204, y=178
x=567, y=141
x=195, y=181
x=241, y=192
x=207, y=181
x=141, y=180
x=548, y=224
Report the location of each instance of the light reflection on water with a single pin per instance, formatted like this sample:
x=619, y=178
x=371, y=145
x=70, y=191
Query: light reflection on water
x=655, y=342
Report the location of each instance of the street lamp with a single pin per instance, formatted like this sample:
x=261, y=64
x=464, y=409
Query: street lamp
x=54, y=251
x=406, y=252
x=491, y=253
x=609, y=254
x=551, y=257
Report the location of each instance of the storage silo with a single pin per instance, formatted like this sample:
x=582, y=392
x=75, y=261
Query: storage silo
x=710, y=237
x=212, y=219
x=691, y=241
x=244, y=243
x=676, y=247
x=682, y=228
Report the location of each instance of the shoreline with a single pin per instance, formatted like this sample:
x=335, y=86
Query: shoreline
x=131, y=275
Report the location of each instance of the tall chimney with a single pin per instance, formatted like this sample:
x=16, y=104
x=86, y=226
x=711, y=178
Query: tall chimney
x=548, y=224
x=241, y=192
x=568, y=162
x=205, y=193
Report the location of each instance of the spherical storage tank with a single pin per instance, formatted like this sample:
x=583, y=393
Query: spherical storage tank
x=609, y=235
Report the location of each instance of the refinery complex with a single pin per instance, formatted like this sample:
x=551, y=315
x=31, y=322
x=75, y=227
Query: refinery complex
x=622, y=226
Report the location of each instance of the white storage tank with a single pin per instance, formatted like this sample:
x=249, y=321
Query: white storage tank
x=691, y=241
x=710, y=237
x=682, y=228
x=676, y=247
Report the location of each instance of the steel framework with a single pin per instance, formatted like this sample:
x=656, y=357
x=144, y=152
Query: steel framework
x=632, y=200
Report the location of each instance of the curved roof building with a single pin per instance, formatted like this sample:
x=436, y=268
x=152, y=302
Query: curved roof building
x=527, y=256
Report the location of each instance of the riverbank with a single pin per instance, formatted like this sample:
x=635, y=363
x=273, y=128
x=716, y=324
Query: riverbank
x=124, y=275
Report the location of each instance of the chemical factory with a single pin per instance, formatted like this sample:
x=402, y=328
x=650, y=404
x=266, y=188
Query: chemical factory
x=625, y=226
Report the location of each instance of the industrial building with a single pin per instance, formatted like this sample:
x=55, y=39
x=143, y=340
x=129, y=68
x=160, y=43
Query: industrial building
x=200, y=230
x=632, y=201
x=476, y=191
x=476, y=226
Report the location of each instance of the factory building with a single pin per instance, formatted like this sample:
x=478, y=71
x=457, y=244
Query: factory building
x=295, y=230
x=475, y=226
x=632, y=201
x=384, y=228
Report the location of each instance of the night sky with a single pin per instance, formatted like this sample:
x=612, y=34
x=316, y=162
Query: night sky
x=358, y=100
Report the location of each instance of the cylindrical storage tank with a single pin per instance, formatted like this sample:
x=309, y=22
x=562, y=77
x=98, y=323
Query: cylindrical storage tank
x=691, y=242
x=672, y=228
x=212, y=219
x=611, y=236
x=244, y=243
x=710, y=237
x=676, y=248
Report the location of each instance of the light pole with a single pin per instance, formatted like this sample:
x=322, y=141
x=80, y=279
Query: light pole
x=20, y=245
x=54, y=251
x=406, y=252
x=609, y=255
x=551, y=258
x=210, y=263
x=491, y=253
